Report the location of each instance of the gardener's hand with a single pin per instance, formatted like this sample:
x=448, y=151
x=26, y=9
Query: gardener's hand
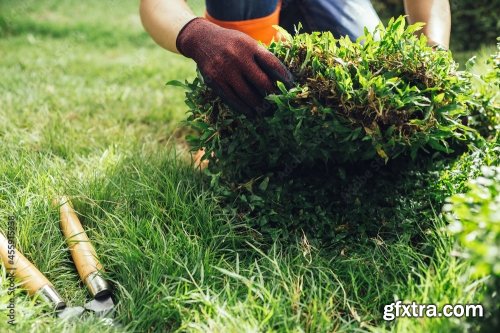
x=235, y=66
x=436, y=16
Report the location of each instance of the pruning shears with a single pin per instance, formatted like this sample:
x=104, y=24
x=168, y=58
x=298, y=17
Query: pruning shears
x=85, y=259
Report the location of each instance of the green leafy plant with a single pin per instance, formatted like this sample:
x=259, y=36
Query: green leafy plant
x=485, y=114
x=475, y=220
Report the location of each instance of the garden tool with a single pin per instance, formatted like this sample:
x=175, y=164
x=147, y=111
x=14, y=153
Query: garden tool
x=86, y=262
x=84, y=256
x=34, y=281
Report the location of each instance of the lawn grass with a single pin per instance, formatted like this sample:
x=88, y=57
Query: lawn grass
x=84, y=111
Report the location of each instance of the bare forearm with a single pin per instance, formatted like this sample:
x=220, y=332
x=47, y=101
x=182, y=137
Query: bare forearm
x=436, y=15
x=163, y=19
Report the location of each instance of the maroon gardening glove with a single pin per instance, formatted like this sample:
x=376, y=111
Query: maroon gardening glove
x=235, y=66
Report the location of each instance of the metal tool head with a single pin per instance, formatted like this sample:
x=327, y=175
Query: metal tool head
x=69, y=313
x=101, y=306
x=50, y=295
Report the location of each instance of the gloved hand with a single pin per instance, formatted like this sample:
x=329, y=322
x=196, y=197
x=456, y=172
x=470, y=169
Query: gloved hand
x=234, y=65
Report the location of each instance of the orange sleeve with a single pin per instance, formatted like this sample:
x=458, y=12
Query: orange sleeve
x=260, y=29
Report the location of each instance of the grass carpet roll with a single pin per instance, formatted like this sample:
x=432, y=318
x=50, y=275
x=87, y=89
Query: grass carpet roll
x=388, y=95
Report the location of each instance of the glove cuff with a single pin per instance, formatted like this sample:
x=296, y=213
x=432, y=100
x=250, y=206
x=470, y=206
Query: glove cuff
x=189, y=34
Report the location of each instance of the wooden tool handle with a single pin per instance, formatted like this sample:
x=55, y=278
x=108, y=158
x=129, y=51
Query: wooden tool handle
x=28, y=275
x=82, y=251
